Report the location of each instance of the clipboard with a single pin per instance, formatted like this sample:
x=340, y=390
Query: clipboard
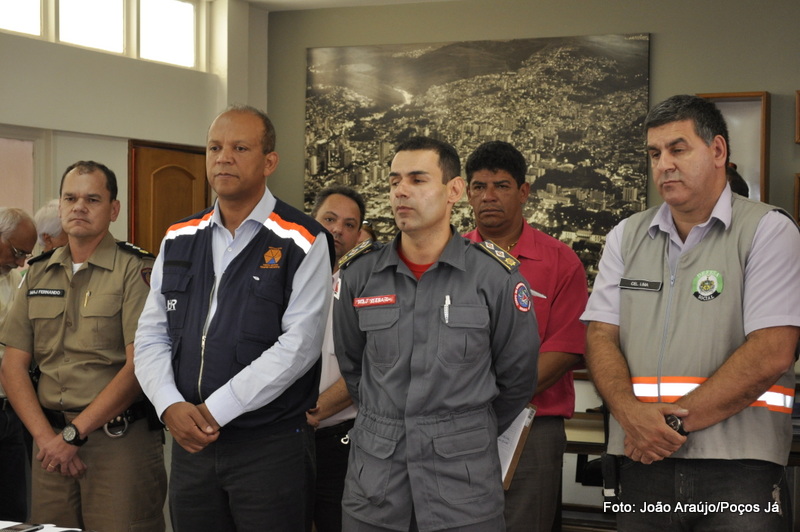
x=511, y=442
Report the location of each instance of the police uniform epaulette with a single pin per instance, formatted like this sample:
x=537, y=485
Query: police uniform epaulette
x=360, y=250
x=502, y=256
x=136, y=250
x=42, y=256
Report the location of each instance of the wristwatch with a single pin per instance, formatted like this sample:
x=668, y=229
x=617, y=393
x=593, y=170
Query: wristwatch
x=72, y=435
x=676, y=424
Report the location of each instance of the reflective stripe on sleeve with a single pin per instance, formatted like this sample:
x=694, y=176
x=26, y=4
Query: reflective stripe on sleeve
x=670, y=389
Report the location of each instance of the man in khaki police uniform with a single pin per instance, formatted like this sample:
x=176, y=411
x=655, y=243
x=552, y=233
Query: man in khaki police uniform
x=98, y=465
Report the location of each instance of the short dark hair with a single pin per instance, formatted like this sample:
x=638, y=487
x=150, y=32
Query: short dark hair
x=708, y=120
x=497, y=155
x=342, y=190
x=449, y=162
x=87, y=167
x=268, y=139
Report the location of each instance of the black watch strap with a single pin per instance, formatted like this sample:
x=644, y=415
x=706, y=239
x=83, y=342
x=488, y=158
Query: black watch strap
x=676, y=424
x=72, y=435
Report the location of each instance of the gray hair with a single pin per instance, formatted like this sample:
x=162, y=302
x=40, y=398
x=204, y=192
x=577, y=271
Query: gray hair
x=48, y=221
x=10, y=218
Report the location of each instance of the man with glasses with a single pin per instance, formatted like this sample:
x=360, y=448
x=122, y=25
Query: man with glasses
x=17, y=238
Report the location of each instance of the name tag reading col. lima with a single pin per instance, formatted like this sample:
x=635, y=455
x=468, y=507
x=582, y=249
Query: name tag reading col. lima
x=640, y=284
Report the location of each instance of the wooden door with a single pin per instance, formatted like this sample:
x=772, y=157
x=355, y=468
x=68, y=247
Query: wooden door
x=167, y=183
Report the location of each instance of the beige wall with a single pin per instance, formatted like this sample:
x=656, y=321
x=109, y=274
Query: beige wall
x=696, y=47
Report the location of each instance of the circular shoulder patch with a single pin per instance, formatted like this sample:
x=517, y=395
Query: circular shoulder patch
x=522, y=297
x=707, y=285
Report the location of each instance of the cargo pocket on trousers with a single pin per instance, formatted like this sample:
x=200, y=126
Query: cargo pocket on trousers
x=372, y=464
x=464, y=470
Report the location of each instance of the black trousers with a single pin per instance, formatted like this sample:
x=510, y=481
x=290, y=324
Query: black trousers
x=250, y=485
x=333, y=448
x=13, y=457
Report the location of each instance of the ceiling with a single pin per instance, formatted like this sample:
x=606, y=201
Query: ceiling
x=292, y=5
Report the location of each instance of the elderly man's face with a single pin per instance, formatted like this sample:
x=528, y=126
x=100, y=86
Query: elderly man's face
x=16, y=247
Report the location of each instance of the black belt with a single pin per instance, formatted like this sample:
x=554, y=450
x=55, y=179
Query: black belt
x=58, y=418
x=335, y=430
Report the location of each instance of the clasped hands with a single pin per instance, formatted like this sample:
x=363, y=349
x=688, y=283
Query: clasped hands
x=648, y=438
x=192, y=426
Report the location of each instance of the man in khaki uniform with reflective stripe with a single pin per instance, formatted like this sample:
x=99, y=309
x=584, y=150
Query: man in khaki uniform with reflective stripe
x=98, y=465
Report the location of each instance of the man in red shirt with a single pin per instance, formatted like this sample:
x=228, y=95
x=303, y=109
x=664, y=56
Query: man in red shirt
x=497, y=190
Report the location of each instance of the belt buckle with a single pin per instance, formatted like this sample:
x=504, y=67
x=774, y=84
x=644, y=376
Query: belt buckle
x=117, y=427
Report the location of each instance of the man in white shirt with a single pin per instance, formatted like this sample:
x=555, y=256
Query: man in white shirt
x=229, y=342
x=340, y=210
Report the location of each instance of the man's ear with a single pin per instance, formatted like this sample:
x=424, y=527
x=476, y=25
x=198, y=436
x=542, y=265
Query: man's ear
x=115, y=208
x=455, y=189
x=270, y=163
x=524, y=191
x=720, y=149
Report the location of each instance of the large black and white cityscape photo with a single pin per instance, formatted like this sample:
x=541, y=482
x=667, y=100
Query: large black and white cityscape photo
x=574, y=106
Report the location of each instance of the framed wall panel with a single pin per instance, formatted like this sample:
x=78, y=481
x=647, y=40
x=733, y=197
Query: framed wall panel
x=747, y=115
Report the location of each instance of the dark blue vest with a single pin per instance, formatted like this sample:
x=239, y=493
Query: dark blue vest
x=252, y=296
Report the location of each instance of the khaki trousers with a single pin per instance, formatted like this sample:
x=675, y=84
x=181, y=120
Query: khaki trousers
x=123, y=489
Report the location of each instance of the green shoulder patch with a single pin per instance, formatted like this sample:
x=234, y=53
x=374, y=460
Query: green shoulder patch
x=502, y=256
x=136, y=250
x=360, y=250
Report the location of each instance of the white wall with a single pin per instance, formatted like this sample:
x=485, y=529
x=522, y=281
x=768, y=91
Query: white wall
x=84, y=104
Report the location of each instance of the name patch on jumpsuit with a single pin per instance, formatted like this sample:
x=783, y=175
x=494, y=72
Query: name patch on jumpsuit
x=374, y=301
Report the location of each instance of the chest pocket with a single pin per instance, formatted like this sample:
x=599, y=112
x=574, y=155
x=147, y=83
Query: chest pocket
x=101, y=322
x=46, y=315
x=264, y=310
x=383, y=335
x=463, y=335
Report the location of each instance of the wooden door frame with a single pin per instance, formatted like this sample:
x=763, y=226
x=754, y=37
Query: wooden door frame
x=133, y=144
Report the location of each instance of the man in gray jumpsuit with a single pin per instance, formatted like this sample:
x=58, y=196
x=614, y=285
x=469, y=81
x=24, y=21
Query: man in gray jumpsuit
x=433, y=338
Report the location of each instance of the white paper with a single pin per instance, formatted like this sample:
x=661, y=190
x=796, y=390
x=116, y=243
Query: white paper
x=508, y=440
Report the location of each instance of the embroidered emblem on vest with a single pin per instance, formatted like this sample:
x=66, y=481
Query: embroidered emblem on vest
x=272, y=258
x=707, y=285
